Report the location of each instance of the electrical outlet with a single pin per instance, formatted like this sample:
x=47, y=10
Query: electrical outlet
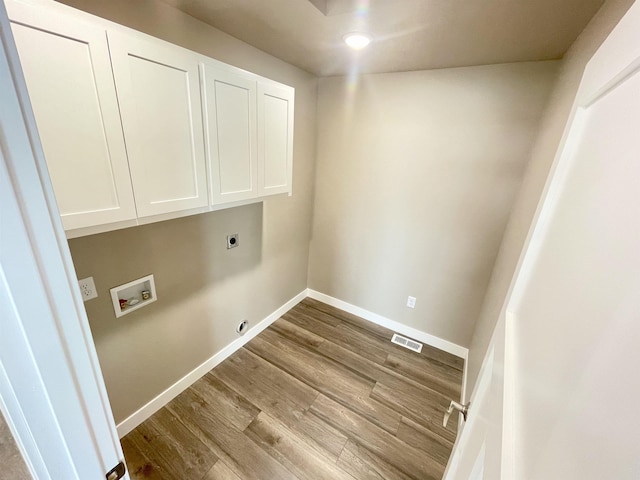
x=411, y=302
x=233, y=240
x=87, y=288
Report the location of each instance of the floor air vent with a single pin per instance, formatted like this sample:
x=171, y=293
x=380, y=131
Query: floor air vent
x=406, y=343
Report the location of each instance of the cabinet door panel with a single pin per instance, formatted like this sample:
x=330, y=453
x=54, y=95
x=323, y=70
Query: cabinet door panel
x=68, y=74
x=159, y=95
x=275, y=139
x=230, y=112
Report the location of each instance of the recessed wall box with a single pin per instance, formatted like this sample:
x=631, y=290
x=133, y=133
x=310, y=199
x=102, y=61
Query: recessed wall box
x=133, y=295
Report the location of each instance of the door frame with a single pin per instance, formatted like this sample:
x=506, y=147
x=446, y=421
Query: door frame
x=51, y=387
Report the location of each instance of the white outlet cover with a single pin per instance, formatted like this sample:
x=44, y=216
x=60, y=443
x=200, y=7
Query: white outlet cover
x=87, y=289
x=411, y=302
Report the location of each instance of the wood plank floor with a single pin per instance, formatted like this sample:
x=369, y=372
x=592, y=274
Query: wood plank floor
x=320, y=394
x=11, y=462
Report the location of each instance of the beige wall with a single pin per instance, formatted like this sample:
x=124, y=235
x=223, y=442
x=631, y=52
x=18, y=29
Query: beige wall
x=416, y=176
x=551, y=131
x=203, y=289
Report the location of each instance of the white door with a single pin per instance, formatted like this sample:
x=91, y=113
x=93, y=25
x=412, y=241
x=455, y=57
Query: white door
x=68, y=72
x=572, y=383
x=51, y=387
x=275, y=138
x=159, y=95
x=478, y=449
x=231, y=134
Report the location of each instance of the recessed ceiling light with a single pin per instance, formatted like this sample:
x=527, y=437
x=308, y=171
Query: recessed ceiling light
x=357, y=41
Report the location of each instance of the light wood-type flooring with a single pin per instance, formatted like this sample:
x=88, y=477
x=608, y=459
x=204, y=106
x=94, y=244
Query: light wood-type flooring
x=11, y=462
x=320, y=394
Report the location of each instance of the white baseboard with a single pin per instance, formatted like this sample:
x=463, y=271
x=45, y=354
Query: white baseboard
x=394, y=325
x=139, y=416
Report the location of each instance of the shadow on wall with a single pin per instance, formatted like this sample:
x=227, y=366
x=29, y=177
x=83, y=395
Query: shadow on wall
x=185, y=256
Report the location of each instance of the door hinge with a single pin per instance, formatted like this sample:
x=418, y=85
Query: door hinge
x=117, y=472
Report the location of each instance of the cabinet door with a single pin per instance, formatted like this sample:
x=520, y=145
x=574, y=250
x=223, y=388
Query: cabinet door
x=275, y=138
x=159, y=96
x=231, y=134
x=68, y=73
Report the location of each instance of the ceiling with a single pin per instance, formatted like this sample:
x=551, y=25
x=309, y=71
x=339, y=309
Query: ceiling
x=407, y=34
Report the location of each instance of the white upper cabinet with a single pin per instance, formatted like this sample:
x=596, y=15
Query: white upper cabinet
x=231, y=133
x=68, y=74
x=137, y=130
x=275, y=138
x=159, y=96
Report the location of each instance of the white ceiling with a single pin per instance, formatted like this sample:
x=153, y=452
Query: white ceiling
x=407, y=34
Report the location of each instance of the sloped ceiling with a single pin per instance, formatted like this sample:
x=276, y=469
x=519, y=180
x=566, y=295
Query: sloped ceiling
x=407, y=34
